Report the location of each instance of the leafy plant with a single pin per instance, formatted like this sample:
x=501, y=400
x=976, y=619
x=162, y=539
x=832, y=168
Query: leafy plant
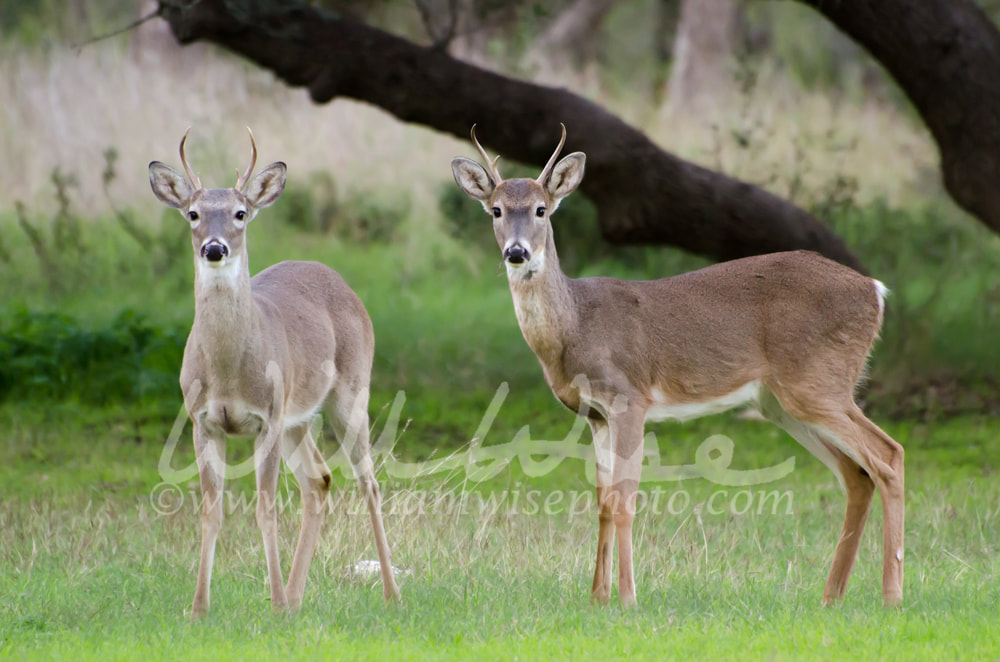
x=48, y=356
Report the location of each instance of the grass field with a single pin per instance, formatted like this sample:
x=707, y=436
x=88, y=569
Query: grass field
x=91, y=570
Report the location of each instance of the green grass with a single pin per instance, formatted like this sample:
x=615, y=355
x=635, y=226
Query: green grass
x=92, y=571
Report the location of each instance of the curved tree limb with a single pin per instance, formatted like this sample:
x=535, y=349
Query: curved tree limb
x=945, y=54
x=642, y=193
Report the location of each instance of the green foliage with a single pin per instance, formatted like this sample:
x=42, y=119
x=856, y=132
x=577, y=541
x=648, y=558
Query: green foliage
x=464, y=218
x=68, y=258
x=428, y=295
x=357, y=217
x=25, y=18
x=938, y=351
x=36, y=23
x=51, y=357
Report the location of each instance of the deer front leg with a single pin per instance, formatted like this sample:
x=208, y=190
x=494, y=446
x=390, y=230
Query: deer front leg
x=627, y=440
x=210, y=451
x=604, y=456
x=266, y=459
x=349, y=416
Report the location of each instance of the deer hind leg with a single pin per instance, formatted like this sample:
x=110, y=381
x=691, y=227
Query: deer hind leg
x=882, y=458
x=311, y=471
x=210, y=452
x=601, y=589
x=267, y=460
x=855, y=481
x=348, y=412
x=859, y=487
x=863, y=457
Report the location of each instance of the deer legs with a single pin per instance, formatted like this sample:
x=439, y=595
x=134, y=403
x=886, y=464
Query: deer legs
x=865, y=458
x=859, y=488
x=210, y=452
x=349, y=414
x=304, y=459
x=626, y=436
x=620, y=441
x=601, y=591
x=267, y=458
x=883, y=458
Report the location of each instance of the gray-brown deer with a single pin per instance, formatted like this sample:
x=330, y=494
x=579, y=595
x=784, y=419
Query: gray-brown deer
x=264, y=356
x=788, y=333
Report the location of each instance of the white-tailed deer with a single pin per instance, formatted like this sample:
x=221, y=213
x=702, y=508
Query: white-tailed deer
x=265, y=355
x=789, y=333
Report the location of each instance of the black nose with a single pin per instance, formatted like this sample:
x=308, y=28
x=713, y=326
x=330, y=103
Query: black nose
x=214, y=252
x=516, y=254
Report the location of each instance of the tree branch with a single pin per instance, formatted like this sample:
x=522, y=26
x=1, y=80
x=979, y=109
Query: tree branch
x=945, y=54
x=643, y=194
x=114, y=33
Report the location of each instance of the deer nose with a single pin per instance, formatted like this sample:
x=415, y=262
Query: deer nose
x=214, y=251
x=516, y=254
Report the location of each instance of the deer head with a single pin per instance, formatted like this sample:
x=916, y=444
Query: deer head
x=521, y=208
x=218, y=216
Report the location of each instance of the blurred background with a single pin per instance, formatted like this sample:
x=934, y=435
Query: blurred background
x=97, y=276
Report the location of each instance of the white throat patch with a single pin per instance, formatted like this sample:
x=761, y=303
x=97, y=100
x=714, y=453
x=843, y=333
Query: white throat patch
x=224, y=274
x=526, y=270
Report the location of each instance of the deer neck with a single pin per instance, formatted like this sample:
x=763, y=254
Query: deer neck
x=225, y=315
x=543, y=304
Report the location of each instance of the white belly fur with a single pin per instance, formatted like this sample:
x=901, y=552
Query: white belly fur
x=662, y=409
x=811, y=436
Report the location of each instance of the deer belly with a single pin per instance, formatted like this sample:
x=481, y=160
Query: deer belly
x=664, y=409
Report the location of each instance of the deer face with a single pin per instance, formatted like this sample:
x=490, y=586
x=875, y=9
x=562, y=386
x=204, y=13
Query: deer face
x=520, y=207
x=520, y=211
x=218, y=217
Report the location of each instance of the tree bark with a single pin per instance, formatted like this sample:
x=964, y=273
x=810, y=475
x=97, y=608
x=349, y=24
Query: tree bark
x=642, y=193
x=701, y=78
x=570, y=38
x=945, y=55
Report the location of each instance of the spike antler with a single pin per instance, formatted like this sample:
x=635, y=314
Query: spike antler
x=491, y=164
x=195, y=179
x=547, y=170
x=241, y=180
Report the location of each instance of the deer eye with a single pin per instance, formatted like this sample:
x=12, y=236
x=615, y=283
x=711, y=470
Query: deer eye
x=540, y=212
x=496, y=212
x=193, y=215
x=240, y=215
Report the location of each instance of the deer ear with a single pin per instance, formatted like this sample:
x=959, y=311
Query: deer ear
x=566, y=176
x=266, y=187
x=472, y=179
x=169, y=186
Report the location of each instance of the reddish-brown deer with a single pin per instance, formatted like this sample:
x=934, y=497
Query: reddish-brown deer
x=788, y=333
x=264, y=356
